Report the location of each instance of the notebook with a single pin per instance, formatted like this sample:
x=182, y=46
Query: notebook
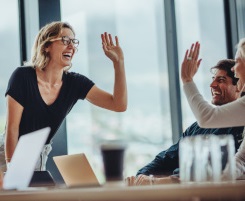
x=76, y=170
x=24, y=159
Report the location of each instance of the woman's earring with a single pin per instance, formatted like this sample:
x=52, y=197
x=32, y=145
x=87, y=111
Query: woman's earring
x=76, y=50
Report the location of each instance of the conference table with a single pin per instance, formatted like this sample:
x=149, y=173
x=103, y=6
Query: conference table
x=227, y=191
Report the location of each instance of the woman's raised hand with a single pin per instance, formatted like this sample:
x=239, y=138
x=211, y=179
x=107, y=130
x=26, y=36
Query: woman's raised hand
x=114, y=52
x=190, y=63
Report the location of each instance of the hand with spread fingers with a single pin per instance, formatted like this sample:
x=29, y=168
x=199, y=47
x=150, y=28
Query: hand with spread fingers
x=114, y=52
x=190, y=63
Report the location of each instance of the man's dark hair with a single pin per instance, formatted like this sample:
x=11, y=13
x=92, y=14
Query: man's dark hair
x=226, y=65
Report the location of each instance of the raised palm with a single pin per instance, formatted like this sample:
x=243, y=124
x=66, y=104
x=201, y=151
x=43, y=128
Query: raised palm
x=114, y=52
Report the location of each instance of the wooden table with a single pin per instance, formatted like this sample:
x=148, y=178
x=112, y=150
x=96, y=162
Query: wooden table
x=183, y=192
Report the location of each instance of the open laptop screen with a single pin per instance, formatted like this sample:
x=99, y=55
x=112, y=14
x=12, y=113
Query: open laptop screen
x=24, y=159
x=76, y=170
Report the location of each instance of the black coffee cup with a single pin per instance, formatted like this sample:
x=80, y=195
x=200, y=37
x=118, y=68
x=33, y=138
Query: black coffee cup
x=113, y=160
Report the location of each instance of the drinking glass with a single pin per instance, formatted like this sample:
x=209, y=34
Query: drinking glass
x=204, y=157
x=227, y=148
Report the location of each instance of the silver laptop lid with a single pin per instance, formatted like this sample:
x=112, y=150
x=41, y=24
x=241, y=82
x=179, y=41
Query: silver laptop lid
x=24, y=159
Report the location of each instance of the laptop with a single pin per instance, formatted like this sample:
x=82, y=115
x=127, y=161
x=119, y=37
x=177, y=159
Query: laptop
x=76, y=170
x=24, y=159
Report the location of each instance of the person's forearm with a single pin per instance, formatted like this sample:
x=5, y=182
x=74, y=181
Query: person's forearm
x=120, y=86
x=14, y=114
x=208, y=116
x=162, y=164
x=166, y=180
x=10, y=146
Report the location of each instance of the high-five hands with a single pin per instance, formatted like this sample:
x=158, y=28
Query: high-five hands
x=114, y=52
x=190, y=63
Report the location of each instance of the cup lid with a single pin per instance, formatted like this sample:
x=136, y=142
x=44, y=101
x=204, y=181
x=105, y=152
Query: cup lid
x=113, y=144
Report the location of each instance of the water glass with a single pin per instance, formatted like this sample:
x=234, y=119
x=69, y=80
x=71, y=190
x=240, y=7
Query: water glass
x=204, y=157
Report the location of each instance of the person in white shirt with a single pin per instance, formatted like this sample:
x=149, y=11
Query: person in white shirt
x=210, y=116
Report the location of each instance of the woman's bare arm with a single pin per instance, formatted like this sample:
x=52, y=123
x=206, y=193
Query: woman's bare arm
x=14, y=113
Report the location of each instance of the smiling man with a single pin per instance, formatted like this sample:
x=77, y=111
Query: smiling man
x=223, y=87
x=223, y=90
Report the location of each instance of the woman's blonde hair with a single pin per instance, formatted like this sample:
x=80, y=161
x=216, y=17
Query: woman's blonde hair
x=40, y=58
x=241, y=49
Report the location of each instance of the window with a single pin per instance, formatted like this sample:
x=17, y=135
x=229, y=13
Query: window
x=201, y=21
x=10, y=53
x=146, y=124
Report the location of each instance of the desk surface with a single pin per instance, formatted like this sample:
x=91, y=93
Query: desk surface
x=221, y=191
